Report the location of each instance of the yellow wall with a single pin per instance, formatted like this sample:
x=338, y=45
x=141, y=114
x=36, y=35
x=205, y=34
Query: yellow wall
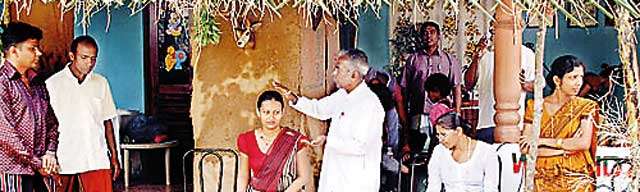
x=227, y=80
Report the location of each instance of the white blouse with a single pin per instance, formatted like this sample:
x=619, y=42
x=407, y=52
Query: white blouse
x=478, y=174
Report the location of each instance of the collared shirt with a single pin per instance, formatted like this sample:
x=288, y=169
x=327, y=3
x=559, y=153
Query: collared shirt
x=352, y=154
x=485, y=85
x=419, y=66
x=81, y=109
x=27, y=123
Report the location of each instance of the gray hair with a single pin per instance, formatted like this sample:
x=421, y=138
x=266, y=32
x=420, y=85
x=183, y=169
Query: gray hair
x=357, y=60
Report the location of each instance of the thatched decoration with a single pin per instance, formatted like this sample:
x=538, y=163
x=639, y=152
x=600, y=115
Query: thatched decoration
x=205, y=11
x=626, y=43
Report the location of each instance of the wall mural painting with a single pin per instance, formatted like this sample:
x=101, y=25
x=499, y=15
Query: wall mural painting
x=174, y=49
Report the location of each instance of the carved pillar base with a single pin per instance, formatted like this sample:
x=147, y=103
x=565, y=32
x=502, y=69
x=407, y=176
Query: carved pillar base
x=507, y=88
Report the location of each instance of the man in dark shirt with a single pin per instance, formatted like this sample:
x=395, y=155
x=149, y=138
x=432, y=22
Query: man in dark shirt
x=28, y=127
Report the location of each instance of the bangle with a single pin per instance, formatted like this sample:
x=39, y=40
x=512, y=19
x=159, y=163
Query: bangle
x=558, y=144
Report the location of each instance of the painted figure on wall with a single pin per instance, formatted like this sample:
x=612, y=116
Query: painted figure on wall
x=173, y=45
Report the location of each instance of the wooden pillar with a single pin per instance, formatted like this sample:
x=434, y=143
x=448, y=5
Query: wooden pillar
x=508, y=40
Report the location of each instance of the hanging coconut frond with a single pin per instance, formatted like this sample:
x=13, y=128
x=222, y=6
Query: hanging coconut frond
x=207, y=10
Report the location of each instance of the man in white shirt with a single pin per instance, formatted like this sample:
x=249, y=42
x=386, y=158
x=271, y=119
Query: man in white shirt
x=352, y=153
x=481, y=72
x=84, y=106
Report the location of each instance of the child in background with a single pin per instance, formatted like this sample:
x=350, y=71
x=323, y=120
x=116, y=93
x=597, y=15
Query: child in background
x=438, y=88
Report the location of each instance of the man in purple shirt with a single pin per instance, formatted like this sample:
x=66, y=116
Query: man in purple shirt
x=421, y=65
x=419, y=137
x=28, y=127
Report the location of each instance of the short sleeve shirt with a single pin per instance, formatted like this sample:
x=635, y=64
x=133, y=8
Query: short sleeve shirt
x=81, y=109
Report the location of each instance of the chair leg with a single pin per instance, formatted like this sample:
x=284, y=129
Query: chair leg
x=167, y=169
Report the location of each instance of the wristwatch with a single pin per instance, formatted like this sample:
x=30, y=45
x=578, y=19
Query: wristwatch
x=558, y=144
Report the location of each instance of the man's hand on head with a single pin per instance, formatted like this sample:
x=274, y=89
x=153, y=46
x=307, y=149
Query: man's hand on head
x=287, y=92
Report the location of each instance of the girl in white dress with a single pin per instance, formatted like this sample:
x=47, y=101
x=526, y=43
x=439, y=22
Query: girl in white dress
x=461, y=163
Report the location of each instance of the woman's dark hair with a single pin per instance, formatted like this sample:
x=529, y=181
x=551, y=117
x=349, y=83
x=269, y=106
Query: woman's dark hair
x=438, y=82
x=453, y=120
x=560, y=67
x=270, y=95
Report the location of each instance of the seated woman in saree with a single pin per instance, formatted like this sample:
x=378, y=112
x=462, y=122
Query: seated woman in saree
x=272, y=158
x=460, y=162
x=567, y=142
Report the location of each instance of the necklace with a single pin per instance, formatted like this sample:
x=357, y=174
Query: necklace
x=469, y=150
x=265, y=141
x=468, y=153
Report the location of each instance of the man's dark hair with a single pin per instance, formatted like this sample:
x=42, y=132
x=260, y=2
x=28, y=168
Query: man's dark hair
x=18, y=32
x=423, y=27
x=438, y=82
x=86, y=40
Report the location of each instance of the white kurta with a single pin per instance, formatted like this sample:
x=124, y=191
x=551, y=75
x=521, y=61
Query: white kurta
x=478, y=174
x=81, y=110
x=352, y=154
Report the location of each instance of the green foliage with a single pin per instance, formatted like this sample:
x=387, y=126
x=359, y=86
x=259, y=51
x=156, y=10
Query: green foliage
x=406, y=40
x=207, y=30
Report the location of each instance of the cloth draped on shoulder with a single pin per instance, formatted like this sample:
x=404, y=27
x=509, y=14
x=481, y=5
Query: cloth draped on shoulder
x=279, y=168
